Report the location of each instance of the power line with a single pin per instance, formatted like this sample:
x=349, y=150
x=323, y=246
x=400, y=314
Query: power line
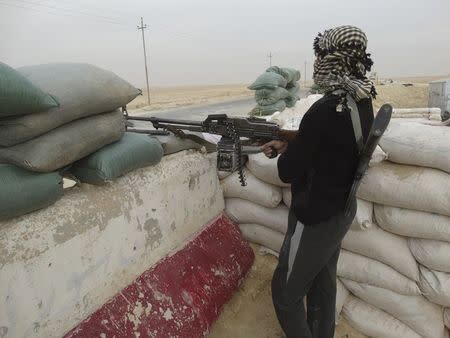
x=96, y=17
x=270, y=58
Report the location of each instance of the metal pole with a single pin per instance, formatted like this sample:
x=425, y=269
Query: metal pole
x=142, y=27
x=270, y=59
x=305, y=74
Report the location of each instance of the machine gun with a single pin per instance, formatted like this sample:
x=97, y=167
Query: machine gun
x=240, y=136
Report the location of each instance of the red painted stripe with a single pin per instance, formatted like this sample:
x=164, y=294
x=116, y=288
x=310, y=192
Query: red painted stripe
x=182, y=294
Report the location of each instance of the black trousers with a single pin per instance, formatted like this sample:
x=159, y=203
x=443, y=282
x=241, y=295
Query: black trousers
x=309, y=270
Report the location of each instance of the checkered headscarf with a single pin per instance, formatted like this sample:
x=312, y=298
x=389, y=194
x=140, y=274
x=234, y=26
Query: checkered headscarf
x=342, y=62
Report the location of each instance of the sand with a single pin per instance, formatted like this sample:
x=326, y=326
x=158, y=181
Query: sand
x=172, y=97
x=250, y=313
x=415, y=96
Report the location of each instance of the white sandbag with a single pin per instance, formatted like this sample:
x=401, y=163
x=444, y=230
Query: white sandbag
x=433, y=254
x=223, y=174
x=385, y=247
x=287, y=196
x=374, y=322
x=290, y=118
x=370, y=271
x=417, y=144
x=413, y=223
x=409, y=187
x=435, y=286
x=447, y=317
x=262, y=235
x=265, y=169
x=364, y=215
x=341, y=297
x=243, y=211
x=417, y=312
x=256, y=191
x=378, y=156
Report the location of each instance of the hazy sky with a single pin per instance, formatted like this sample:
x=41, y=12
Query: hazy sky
x=220, y=41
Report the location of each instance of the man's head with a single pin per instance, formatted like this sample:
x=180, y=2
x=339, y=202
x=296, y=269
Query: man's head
x=342, y=61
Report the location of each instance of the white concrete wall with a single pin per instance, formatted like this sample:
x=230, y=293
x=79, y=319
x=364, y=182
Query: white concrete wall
x=60, y=264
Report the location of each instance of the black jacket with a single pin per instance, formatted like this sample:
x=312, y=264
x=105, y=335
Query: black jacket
x=321, y=161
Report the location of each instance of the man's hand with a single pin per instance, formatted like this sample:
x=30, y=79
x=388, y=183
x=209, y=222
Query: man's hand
x=279, y=146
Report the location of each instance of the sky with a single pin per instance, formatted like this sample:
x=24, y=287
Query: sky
x=196, y=42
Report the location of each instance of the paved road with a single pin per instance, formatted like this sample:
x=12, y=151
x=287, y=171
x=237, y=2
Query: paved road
x=239, y=107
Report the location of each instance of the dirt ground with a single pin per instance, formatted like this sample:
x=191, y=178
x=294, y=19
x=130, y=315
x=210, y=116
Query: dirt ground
x=250, y=313
x=415, y=96
x=172, y=97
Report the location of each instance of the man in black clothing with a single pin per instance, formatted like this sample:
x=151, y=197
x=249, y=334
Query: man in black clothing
x=320, y=164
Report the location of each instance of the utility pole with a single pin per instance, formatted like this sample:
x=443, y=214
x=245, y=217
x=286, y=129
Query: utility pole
x=270, y=59
x=142, y=27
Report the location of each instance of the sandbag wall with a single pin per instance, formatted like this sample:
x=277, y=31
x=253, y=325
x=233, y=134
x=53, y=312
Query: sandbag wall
x=60, y=118
x=275, y=89
x=394, y=270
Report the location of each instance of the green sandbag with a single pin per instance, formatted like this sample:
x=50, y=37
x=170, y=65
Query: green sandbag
x=23, y=191
x=131, y=152
x=18, y=96
x=269, y=109
x=66, y=144
x=268, y=80
x=81, y=89
x=290, y=74
x=293, y=96
x=270, y=96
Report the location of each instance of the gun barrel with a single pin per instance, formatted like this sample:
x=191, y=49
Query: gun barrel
x=165, y=121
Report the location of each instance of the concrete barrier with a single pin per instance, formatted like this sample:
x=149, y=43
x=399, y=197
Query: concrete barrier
x=60, y=264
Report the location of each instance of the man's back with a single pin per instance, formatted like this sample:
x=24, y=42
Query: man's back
x=321, y=161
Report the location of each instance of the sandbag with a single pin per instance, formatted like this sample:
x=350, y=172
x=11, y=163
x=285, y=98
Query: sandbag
x=246, y=212
x=293, y=96
x=132, y=151
x=385, y=247
x=23, y=191
x=265, y=169
x=223, y=174
x=66, y=144
x=264, y=110
x=435, y=286
x=407, y=187
x=413, y=223
x=262, y=235
x=290, y=118
x=266, y=96
x=433, y=254
x=256, y=191
x=417, y=144
x=364, y=215
x=370, y=271
x=173, y=144
x=418, y=313
x=290, y=74
x=341, y=297
x=268, y=80
x=447, y=317
x=374, y=322
x=18, y=96
x=287, y=196
x=81, y=89
x=378, y=156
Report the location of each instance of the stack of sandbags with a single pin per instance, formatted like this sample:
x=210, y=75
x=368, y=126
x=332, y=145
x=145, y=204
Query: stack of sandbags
x=275, y=90
x=399, y=269
x=55, y=114
x=85, y=120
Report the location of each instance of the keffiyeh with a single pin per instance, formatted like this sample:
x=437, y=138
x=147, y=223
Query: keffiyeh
x=342, y=62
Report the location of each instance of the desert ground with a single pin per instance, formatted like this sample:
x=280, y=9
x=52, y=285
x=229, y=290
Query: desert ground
x=250, y=313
